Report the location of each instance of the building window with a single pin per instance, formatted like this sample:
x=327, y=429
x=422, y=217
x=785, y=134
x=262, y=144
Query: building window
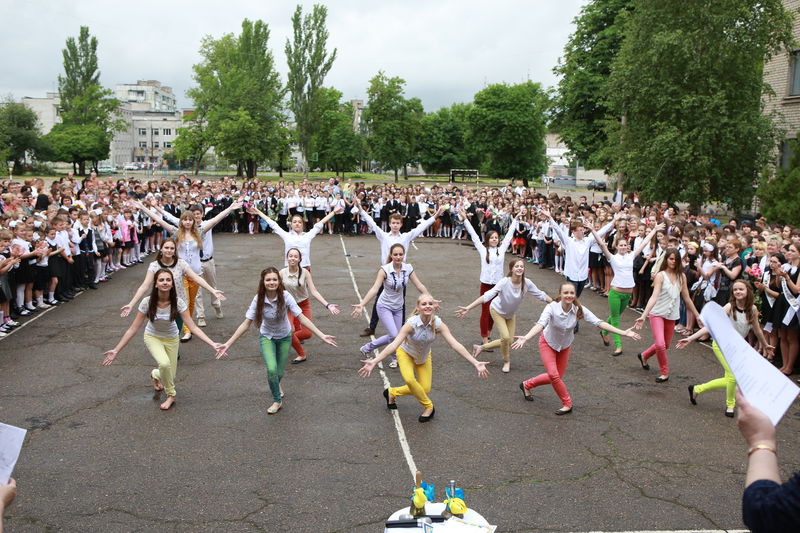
x=786, y=154
x=167, y=131
x=167, y=145
x=142, y=144
x=142, y=131
x=155, y=144
x=155, y=131
x=794, y=81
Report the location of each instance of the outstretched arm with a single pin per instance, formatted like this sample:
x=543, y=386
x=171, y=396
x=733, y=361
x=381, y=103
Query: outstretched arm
x=369, y=364
x=359, y=307
x=333, y=308
x=138, y=295
x=647, y=239
x=480, y=366
x=126, y=337
x=191, y=274
x=208, y=224
x=417, y=283
x=601, y=242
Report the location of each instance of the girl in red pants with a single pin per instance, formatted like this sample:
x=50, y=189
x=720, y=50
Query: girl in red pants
x=557, y=325
x=664, y=309
x=299, y=283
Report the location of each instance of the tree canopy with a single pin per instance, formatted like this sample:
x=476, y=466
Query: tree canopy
x=309, y=63
x=339, y=146
x=507, y=125
x=689, y=81
x=443, y=140
x=19, y=133
x=240, y=94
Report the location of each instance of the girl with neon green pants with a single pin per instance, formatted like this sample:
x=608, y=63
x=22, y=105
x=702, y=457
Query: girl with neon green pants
x=622, y=283
x=744, y=316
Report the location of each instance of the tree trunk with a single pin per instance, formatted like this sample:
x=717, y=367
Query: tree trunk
x=280, y=169
x=239, y=169
x=525, y=182
x=405, y=172
x=81, y=168
x=250, y=166
x=395, y=175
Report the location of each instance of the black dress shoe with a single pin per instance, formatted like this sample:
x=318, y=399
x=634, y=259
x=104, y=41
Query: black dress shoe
x=388, y=405
x=692, y=396
x=659, y=379
x=564, y=411
x=641, y=360
x=606, y=342
x=729, y=414
x=367, y=332
x=429, y=417
x=525, y=392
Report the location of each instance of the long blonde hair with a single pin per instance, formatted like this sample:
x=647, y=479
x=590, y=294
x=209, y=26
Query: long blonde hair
x=180, y=235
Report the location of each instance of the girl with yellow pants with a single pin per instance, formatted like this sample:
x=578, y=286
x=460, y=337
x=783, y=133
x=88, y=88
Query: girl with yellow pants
x=413, y=348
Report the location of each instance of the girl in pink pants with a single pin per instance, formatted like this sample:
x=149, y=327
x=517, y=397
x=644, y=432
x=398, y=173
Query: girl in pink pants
x=557, y=325
x=664, y=309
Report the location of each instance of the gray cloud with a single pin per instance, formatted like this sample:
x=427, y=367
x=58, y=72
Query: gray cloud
x=446, y=50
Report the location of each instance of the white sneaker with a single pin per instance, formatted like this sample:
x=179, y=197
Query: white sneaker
x=274, y=408
x=44, y=305
x=218, y=312
x=201, y=321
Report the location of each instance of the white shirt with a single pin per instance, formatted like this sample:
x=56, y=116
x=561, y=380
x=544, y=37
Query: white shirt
x=292, y=239
x=623, y=271
x=506, y=298
x=162, y=327
x=394, y=285
x=576, y=262
x=418, y=343
x=559, y=325
x=208, y=242
x=492, y=271
x=178, y=269
x=272, y=325
x=388, y=239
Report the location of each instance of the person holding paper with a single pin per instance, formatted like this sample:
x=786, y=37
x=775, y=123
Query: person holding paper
x=557, y=325
x=160, y=311
x=663, y=309
x=744, y=317
x=767, y=505
x=7, y=494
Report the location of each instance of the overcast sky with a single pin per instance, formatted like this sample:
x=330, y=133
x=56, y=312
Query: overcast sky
x=446, y=50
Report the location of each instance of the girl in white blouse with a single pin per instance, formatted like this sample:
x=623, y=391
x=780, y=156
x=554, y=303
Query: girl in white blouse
x=493, y=256
x=160, y=311
x=557, y=325
x=412, y=345
x=270, y=308
x=506, y=298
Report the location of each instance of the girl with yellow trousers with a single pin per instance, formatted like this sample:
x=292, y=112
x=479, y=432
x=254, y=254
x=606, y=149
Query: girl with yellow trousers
x=413, y=348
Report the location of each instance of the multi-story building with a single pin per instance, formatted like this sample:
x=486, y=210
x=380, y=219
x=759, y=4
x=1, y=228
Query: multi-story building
x=782, y=73
x=154, y=133
x=147, y=95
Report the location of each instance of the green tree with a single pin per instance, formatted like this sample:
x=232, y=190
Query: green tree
x=19, y=133
x=689, y=81
x=84, y=102
x=76, y=143
x=580, y=108
x=193, y=140
x=240, y=95
x=779, y=193
x=309, y=63
x=443, y=140
x=507, y=125
x=339, y=146
x=392, y=122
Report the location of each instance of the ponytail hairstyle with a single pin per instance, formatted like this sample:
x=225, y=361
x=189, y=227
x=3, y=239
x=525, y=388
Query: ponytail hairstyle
x=391, y=250
x=749, y=301
x=486, y=244
x=575, y=302
x=261, y=294
x=152, y=307
x=421, y=297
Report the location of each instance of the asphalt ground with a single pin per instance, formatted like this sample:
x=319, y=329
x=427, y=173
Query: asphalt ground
x=101, y=456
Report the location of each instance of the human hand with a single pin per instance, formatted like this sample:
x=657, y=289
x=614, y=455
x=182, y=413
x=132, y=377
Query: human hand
x=110, y=356
x=632, y=334
x=461, y=312
x=334, y=309
x=219, y=295
x=480, y=366
x=330, y=339
x=768, y=351
x=7, y=493
x=221, y=350
x=366, y=370
x=519, y=343
x=639, y=322
x=683, y=343
x=754, y=425
x=125, y=310
x=357, y=310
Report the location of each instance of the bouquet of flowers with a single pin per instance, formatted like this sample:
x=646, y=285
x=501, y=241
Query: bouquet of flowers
x=755, y=272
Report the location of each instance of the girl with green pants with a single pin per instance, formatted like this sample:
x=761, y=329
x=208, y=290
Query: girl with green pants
x=270, y=309
x=744, y=316
x=623, y=283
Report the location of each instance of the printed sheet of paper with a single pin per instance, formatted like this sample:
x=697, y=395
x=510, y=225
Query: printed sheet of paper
x=11, y=439
x=762, y=384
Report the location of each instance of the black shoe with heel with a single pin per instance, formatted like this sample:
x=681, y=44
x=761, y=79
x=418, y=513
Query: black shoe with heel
x=429, y=417
x=388, y=405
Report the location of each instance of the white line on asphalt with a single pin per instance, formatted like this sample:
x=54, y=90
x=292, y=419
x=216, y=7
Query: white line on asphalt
x=398, y=425
x=34, y=319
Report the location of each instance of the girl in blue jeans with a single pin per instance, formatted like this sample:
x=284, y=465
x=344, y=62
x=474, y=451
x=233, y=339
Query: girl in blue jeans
x=270, y=308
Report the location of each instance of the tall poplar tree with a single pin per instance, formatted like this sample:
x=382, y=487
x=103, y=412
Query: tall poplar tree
x=309, y=63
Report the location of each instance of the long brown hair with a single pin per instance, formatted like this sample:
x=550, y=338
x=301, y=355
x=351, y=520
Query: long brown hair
x=486, y=244
x=160, y=256
x=678, y=270
x=575, y=302
x=152, y=307
x=749, y=302
x=261, y=294
x=395, y=245
x=511, y=268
